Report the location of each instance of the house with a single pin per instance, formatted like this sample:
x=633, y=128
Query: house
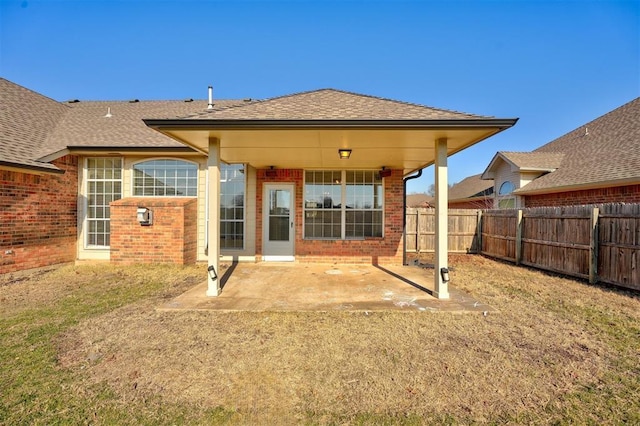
x=419, y=200
x=599, y=162
x=471, y=193
x=313, y=176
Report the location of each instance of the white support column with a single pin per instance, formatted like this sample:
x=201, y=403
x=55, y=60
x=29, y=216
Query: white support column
x=441, y=288
x=213, y=165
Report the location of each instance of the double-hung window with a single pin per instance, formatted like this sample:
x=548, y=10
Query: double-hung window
x=343, y=204
x=104, y=185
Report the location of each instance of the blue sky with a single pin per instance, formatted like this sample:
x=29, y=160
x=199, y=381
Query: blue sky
x=554, y=64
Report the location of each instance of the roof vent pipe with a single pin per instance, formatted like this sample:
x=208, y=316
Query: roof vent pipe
x=210, y=106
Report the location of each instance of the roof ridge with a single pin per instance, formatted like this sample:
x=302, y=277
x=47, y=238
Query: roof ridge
x=330, y=89
x=148, y=100
x=402, y=102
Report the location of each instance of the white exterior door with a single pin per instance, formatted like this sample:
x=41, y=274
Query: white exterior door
x=278, y=222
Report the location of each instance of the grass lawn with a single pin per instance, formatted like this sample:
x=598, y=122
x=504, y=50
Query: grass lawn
x=84, y=345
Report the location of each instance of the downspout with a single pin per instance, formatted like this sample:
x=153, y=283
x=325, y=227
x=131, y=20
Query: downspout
x=404, y=214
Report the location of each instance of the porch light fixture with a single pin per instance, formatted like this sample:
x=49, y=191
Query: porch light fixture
x=344, y=154
x=444, y=272
x=384, y=172
x=212, y=273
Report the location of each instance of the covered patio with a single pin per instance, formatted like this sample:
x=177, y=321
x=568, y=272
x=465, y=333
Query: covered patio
x=276, y=287
x=327, y=130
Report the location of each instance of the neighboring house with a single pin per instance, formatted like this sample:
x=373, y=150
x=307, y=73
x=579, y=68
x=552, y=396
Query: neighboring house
x=314, y=176
x=419, y=200
x=471, y=193
x=598, y=162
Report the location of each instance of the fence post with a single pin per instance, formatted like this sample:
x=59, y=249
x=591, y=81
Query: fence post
x=593, y=247
x=519, y=237
x=479, y=231
x=418, y=231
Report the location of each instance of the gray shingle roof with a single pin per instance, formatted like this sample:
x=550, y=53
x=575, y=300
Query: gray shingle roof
x=471, y=187
x=604, y=150
x=33, y=126
x=85, y=125
x=534, y=160
x=26, y=120
x=331, y=104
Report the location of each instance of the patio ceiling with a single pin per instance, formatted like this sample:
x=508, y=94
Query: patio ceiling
x=314, y=144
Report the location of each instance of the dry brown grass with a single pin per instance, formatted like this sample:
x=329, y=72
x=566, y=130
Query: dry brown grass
x=559, y=350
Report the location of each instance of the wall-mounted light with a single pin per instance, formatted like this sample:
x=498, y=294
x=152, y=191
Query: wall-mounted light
x=212, y=273
x=444, y=273
x=271, y=172
x=384, y=173
x=344, y=154
x=144, y=216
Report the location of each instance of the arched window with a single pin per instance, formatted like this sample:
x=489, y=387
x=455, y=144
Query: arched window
x=505, y=199
x=506, y=188
x=165, y=178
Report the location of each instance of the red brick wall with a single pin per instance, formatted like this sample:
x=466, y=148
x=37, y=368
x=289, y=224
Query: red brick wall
x=38, y=217
x=618, y=194
x=172, y=237
x=370, y=250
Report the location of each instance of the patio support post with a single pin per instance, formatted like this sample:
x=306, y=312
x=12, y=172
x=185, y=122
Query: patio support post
x=441, y=288
x=213, y=167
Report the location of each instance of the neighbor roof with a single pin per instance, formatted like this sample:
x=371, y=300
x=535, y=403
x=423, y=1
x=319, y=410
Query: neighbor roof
x=603, y=152
x=471, y=187
x=332, y=104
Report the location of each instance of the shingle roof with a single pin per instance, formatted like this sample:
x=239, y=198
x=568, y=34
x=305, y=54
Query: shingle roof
x=606, y=149
x=331, y=104
x=471, y=187
x=85, y=125
x=33, y=126
x=534, y=160
x=419, y=200
x=26, y=120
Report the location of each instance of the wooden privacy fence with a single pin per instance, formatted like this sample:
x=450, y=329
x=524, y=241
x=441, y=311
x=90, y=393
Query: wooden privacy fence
x=598, y=243
x=462, y=230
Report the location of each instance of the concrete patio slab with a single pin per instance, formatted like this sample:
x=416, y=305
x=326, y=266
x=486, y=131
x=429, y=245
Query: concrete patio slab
x=324, y=287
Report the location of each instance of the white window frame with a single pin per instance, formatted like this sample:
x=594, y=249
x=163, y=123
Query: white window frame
x=133, y=177
x=87, y=181
x=244, y=209
x=506, y=197
x=343, y=208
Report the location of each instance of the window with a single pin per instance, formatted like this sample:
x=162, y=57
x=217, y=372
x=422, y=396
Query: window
x=343, y=204
x=506, y=188
x=232, y=190
x=104, y=184
x=165, y=178
x=505, y=199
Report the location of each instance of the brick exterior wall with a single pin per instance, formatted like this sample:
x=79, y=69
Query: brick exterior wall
x=618, y=194
x=171, y=238
x=387, y=250
x=38, y=217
